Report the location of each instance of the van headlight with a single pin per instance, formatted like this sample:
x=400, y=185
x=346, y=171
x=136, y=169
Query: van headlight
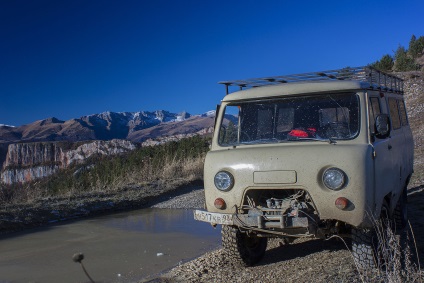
x=334, y=178
x=224, y=181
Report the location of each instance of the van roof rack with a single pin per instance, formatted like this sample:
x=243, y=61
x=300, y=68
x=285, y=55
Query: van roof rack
x=377, y=79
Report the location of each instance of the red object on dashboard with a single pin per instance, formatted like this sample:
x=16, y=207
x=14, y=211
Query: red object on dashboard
x=299, y=133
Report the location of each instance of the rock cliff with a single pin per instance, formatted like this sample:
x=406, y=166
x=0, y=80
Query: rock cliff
x=28, y=161
x=21, y=155
x=22, y=175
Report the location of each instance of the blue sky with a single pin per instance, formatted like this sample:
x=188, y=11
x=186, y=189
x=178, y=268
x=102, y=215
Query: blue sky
x=71, y=58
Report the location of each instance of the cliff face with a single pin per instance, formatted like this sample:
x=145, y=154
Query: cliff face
x=11, y=176
x=28, y=161
x=32, y=154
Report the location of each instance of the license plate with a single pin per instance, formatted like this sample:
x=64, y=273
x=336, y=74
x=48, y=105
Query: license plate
x=214, y=218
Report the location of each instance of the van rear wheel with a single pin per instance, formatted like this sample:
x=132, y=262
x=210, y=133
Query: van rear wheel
x=241, y=248
x=400, y=214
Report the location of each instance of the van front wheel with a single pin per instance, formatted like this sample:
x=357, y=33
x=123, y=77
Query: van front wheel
x=368, y=243
x=364, y=247
x=244, y=249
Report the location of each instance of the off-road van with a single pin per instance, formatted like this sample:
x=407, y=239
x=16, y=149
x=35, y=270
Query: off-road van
x=308, y=155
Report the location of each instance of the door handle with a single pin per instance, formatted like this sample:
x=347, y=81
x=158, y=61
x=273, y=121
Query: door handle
x=389, y=146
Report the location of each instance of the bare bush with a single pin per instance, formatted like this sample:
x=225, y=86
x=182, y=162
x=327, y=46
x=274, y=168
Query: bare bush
x=394, y=261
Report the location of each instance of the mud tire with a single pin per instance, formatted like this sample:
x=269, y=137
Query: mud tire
x=241, y=248
x=364, y=248
x=365, y=242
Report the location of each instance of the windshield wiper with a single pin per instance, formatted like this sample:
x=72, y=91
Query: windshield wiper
x=328, y=140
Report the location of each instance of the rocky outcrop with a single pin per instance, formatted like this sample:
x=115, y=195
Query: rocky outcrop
x=87, y=150
x=28, y=161
x=21, y=155
x=165, y=139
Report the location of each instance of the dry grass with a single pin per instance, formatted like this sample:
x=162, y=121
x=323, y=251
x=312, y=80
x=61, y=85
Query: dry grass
x=174, y=172
x=396, y=258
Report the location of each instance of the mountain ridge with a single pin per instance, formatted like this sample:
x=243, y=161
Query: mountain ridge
x=106, y=126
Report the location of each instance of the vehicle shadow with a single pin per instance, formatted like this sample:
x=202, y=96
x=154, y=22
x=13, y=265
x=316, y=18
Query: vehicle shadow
x=301, y=249
x=416, y=220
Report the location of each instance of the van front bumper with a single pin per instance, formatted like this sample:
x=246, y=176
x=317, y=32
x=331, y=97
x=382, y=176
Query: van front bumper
x=252, y=220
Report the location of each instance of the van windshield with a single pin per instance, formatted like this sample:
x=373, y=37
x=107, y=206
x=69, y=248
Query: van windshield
x=326, y=117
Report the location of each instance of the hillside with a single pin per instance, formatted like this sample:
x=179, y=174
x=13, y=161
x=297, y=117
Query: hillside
x=414, y=99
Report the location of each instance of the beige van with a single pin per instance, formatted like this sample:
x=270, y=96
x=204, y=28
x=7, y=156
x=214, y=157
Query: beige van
x=308, y=155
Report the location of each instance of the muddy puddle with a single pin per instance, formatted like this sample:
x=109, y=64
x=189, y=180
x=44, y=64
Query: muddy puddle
x=125, y=247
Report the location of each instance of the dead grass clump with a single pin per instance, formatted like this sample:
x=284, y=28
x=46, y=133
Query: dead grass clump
x=394, y=260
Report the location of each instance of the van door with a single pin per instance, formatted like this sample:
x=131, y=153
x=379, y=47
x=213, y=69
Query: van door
x=408, y=146
x=383, y=161
x=397, y=144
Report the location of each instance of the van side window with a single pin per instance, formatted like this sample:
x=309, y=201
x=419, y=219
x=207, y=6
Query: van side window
x=374, y=111
x=394, y=113
x=402, y=111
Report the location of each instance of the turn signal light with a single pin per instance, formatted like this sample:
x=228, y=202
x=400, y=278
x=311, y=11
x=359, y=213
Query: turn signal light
x=341, y=203
x=220, y=203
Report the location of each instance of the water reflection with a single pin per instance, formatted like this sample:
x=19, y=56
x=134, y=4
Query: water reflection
x=118, y=248
x=161, y=221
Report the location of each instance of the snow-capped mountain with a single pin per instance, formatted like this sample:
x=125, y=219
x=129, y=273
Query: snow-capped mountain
x=134, y=126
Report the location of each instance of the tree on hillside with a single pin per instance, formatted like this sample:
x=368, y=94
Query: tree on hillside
x=416, y=47
x=404, y=62
x=385, y=64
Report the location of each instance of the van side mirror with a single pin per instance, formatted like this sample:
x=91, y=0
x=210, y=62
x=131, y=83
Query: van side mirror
x=382, y=126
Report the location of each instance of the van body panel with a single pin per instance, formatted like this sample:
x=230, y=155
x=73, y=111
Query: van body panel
x=307, y=160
